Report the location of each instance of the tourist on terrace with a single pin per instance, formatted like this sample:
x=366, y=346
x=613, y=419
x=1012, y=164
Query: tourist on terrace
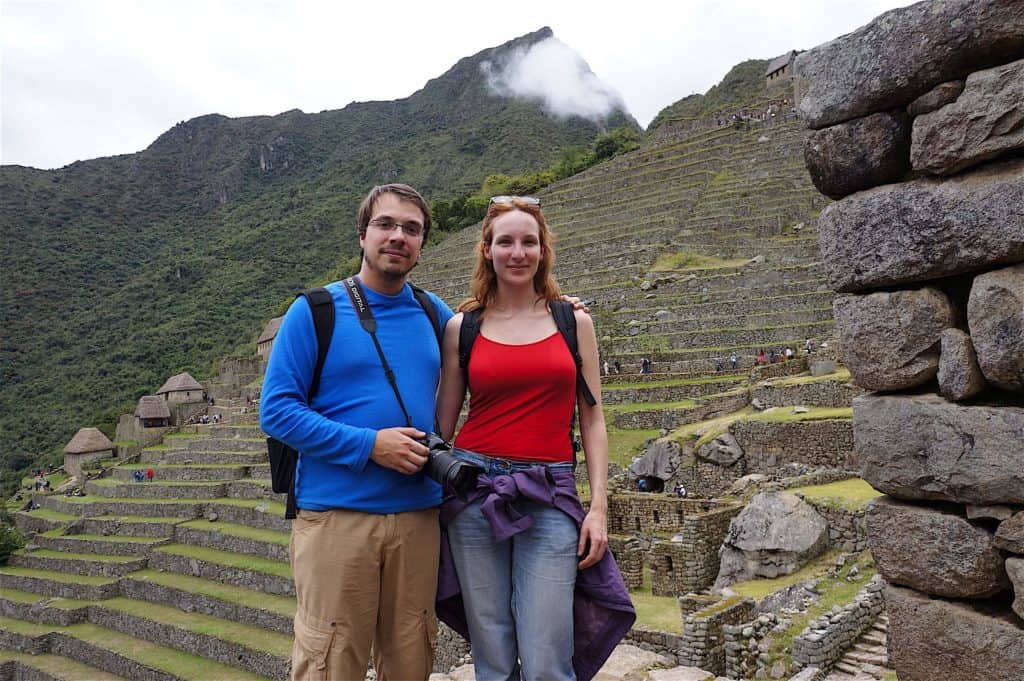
x=520, y=540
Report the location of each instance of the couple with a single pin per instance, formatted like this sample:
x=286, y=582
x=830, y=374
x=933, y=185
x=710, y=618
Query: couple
x=367, y=541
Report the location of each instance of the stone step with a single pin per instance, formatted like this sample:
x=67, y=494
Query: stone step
x=194, y=594
x=114, y=652
x=863, y=646
x=25, y=605
x=182, y=472
x=157, y=489
x=91, y=543
x=186, y=457
x=41, y=520
x=267, y=515
x=636, y=394
x=235, y=538
x=49, y=666
x=250, y=572
x=85, y=564
x=865, y=657
x=224, y=444
x=875, y=637
x=99, y=506
x=845, y=667
x=57, y=584
x=254, y=488
x=246, y=647
x=130, y=526
x=245, y=432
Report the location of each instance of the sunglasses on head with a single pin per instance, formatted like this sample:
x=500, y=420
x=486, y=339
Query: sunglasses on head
x=528, y=200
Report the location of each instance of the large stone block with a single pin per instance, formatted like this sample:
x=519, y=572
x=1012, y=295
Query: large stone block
x=904, y=53
x=934, y=550
x=960, y=376
x=934, y=639
x=1015, y=569
x=859, y=154
x=890, y=340
x=1010, y=534
x=776, y=534
x=923, y=447
x=995, y=314
x=925, y=229
x=936, y=98
x=985, y=121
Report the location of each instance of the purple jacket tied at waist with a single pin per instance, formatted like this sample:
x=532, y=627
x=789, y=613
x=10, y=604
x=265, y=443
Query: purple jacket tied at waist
x=602, y=611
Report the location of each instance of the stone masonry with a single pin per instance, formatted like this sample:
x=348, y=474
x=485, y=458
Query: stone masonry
x=926, y=242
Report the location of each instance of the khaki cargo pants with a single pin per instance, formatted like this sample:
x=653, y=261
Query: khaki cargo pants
x=363, y=579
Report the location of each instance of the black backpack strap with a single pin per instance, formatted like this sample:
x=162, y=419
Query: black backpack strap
x=428, y=306
x=468, y=332
x=321, y=304
x=565, y=320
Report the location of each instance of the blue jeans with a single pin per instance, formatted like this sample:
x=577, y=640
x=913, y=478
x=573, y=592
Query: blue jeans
x=518, y=593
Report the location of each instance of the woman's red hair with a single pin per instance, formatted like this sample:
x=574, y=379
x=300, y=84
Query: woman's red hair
x=484, y=285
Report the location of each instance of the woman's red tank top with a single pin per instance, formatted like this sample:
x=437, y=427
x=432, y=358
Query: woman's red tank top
x=521, y=400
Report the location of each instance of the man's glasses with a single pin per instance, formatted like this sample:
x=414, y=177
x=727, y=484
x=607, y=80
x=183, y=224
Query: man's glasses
x=528, y=200
x=411, y=229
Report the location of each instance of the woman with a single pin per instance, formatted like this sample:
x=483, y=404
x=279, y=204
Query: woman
x=517, y=590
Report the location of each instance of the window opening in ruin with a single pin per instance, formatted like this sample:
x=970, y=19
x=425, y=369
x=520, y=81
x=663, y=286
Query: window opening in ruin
x=668, y=563
x=637, y=524
x=657, y=518
x=679, y=512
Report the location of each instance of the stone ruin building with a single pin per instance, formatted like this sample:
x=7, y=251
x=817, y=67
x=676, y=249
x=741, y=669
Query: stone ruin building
x=918, y=122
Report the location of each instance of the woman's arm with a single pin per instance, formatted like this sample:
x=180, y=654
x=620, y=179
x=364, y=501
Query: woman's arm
x=452, y=389
x=595, y=447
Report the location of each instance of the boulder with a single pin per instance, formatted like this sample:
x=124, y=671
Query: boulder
x=890, y=340
x=1010, y=534
x=664, y=316
x=923, y=447
x=681, y=674
x=724, y=450
x=960, y=376
x=744, y=483
x=986, y=120
x=933, y=550
x=960, y=639
x=925, y=229
x=904, y=53
x=776, y=534
x=859, y=154
x=994, y=512
x=1015, y=569
x=823, y=367
x=995, y=314
x=936, y=98
x=629, y=661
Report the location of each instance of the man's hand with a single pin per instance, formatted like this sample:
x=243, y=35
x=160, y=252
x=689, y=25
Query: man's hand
x=397, y=449
x=577, y=303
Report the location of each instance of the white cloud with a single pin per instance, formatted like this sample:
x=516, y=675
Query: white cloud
x=552, y=73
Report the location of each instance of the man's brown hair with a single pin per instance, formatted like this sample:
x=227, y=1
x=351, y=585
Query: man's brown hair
x=402, y=191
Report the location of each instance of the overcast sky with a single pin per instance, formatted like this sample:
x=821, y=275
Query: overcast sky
x=88, y=78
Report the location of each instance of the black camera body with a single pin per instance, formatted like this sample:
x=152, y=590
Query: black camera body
x=452, y=473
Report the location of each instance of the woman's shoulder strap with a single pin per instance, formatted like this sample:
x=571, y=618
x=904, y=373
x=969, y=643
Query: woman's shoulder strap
x=468, y=332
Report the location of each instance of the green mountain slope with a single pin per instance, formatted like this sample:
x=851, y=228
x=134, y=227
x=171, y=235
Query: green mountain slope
x=742, y=86
x=120, y=271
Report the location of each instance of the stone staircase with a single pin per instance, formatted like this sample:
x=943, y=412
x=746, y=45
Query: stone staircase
x=868, y=659
x=182, y=577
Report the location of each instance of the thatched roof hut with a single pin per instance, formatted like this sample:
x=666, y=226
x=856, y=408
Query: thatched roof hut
x=270, y=330
x=152, y=407
x=88, y=440
x=182, y=382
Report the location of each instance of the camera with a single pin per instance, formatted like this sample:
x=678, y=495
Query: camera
x=452, y=473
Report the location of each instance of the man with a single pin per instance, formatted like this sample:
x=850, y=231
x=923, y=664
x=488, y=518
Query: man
x=364, y=545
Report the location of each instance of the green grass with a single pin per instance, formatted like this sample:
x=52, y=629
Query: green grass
x=182, y=436
x=853, y=494
x=624, y=444
x=691, y=261
x=236, y=560
x=648, y=406
x=67, y=578
x=25, y=628
x=242, y=634
x=702, y=380
x=759, y=588
x=59, y=532
x=98, y=557
x=787, y=415
x=283, y=605
x=840, y=374
x=273, y=507
x=180, y=664
x=233, y=530
x=136, y=519
x=55, y=666
x=47, y=514
x=834, y=591
x=660, y=613
x=52, y=602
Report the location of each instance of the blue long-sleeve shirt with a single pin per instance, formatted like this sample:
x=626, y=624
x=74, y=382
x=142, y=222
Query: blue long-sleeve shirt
x=335, y=433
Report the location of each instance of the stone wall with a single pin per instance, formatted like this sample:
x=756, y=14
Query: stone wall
x=826, y=638
x=767, y=445
x=828, y=393
x=747, y=646
x=688, y=561
x=918, y=134
x=847, y=527
x=703, y=641
x=629, y=556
